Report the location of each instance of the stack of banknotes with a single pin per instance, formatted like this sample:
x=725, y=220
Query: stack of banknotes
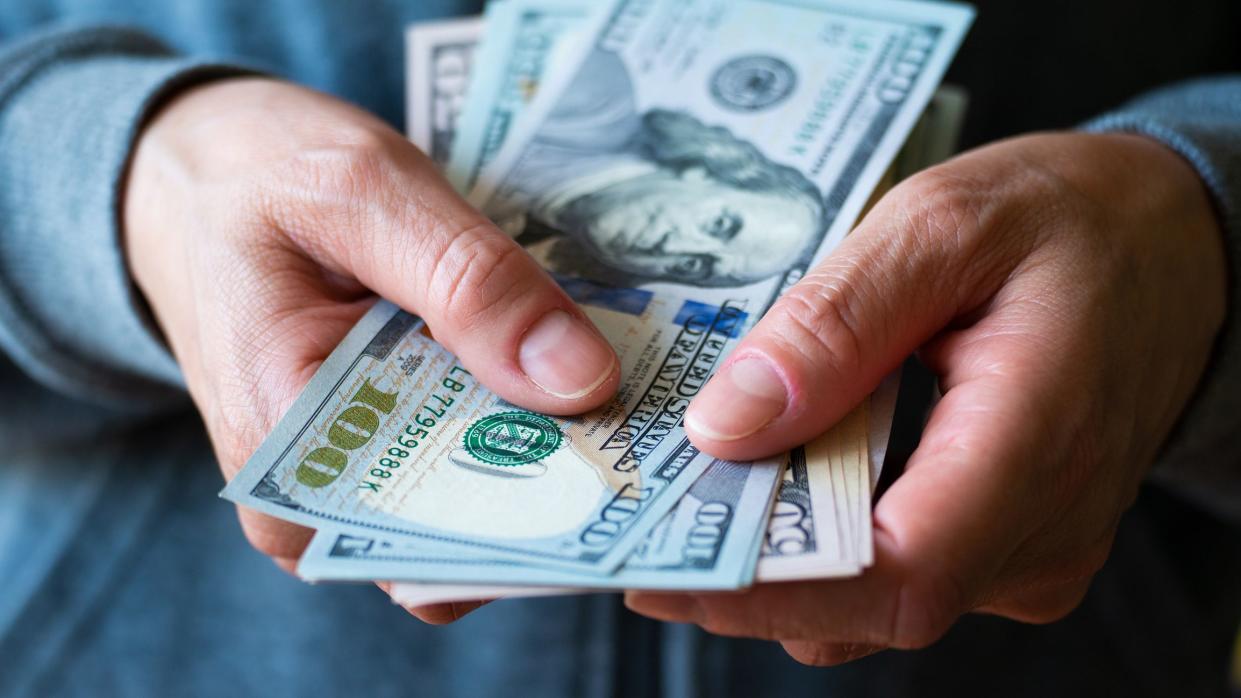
x=675, y=165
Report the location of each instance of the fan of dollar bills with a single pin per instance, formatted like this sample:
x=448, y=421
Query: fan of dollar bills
x=590, y=130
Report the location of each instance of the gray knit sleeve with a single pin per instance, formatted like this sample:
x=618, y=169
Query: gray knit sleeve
x=1201, y=120
x=71, y=105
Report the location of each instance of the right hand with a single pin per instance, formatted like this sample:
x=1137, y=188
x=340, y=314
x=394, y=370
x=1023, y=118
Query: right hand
x=260, y=220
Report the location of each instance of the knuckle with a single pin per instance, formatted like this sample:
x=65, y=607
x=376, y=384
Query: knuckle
x=473, y=273
x=349, y=167
x=323, y=195
x=239, y=423
x=235, y=427
x=939, y=205
x=359, y=166
x=1078, y=454
x=943, y=225
x=820, y=320
x=1050, y=185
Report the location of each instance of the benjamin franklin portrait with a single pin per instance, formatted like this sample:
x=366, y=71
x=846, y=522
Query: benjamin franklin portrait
x=608, y=193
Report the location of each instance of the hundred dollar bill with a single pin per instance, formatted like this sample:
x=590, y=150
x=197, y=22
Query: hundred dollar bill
x=853, y=474
x=807, y=536
x=393, y=437
x=520, y=45
x=803, y=537
x=707, y=542
x=795, y=545
x=716, y=165
x=864, y=538
x=509, y=60
x=438, y=58
x=512, y=56
x=885, y=67
x=802, y=541
x=926, y=54
x=722, y=163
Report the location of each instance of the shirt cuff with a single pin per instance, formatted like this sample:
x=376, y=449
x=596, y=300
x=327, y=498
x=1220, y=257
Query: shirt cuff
x=72, y=104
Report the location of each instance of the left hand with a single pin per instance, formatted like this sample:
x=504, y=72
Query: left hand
x=1067, y=290
x=260, y=216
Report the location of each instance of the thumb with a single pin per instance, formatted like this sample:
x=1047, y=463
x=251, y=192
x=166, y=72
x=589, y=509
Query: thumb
x=916, y=262
x=483, y=297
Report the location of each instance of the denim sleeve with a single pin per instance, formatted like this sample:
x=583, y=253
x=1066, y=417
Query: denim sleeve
x=1201, y=120
x=71, y=104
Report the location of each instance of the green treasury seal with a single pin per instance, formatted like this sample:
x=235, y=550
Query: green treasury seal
x=512, y=438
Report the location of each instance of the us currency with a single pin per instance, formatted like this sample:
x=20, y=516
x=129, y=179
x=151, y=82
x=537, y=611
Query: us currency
x=438, y=59
x=393, y=437
x=700, y=336
x=708, y=542
x=511, y=57
x=849, y=484
x=806, y=536
x=517, y=52
x=802, y=540
x=289, y=476
x=725, y=163
x=863, y=540
x=521, y=43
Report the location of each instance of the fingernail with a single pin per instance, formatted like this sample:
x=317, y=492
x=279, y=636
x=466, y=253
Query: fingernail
x=564, y=357
x=739, y=401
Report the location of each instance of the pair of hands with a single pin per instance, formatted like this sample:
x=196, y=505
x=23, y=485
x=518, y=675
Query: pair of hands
x=1066, y=288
